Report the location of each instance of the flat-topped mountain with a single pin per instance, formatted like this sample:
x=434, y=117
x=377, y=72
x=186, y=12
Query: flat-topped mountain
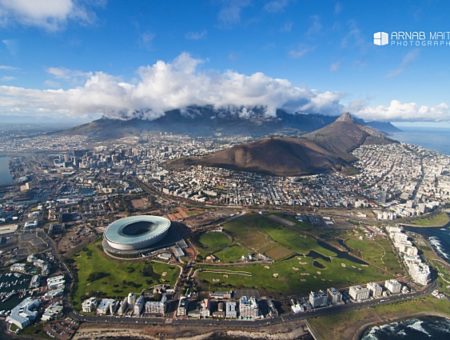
x=327, y=149
x=208, y=121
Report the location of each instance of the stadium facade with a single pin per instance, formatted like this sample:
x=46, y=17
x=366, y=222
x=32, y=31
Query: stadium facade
x=135, y=235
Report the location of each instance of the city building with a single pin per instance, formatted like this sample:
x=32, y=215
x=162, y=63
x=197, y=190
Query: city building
x=131, y=299
x=52, y=312
x=334, y=295
x=220, y=295
x=220, y=312
x=89, y=305
x=318, y=299
x=393, y=286
x=358, y=293
x=375, y=289
x=230, y=310
x=103, y=306
x=56, y=282
x=204, y=309
x=182, y=306
x=25, y=313
x=156, y=307
x=139, y=305
x=248, y=308
x=123, y=307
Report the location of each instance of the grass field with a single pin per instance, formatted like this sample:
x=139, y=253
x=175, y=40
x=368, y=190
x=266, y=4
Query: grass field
x=345, y=325
x=221, y=246
x=297, y=275
x=101, y=275
x=378, y=252
x=294, y=271
x=435, y=220
x=211, y=242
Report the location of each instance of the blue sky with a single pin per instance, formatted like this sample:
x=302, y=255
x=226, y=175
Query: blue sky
x=325, y=47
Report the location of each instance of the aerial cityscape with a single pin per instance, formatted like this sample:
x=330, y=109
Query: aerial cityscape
x=230, y=169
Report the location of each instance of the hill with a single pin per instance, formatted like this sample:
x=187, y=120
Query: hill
x=324, y=150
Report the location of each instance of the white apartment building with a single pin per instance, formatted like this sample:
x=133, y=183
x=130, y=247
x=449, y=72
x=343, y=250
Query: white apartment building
x=359, y=293
x=375, y=289
x=393, y=286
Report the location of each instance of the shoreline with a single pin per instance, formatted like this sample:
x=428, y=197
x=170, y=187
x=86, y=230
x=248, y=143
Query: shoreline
x=361, y=330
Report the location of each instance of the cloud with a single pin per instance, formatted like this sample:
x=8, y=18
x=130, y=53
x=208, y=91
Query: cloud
x=146, y=39
x=301, y=51
x=275, y=6
x=7, y=78
x=287, y=27
x=337, y=8
x=407, y=59
x=398, y=111
x=164, y=86
x=315, y=26
x=8, y=68
x=11, y=45
x=69, y=75
x=50, y=15
x=230, y=12
x=196, y=35
x=334, y=67
x=354, y=38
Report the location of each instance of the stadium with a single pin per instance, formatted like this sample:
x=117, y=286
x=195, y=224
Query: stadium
x=135, y=235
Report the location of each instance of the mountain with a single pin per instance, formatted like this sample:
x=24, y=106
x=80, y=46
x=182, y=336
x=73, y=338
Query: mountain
x=206, y=121
x=344, y=135
x=324, y=150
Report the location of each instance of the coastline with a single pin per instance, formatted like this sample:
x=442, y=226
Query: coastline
x=359, y=333
x=432, y=215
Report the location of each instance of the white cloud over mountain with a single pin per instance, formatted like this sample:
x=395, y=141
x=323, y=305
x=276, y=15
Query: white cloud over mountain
x=164, y=86
x=171, y=85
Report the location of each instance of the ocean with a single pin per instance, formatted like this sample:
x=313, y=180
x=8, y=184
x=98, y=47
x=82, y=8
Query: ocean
x=439, y=239
x=428, y=327
x=5, y=175
x=437, y=139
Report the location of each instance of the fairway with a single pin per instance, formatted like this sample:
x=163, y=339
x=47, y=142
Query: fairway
x=377, y=251
x=302, y=263
x=252, y=231
x=297, y=275
x=101, y=276
x=213, y=241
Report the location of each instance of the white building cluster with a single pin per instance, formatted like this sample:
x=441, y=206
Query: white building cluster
x=417, y=268
x=132, y=305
